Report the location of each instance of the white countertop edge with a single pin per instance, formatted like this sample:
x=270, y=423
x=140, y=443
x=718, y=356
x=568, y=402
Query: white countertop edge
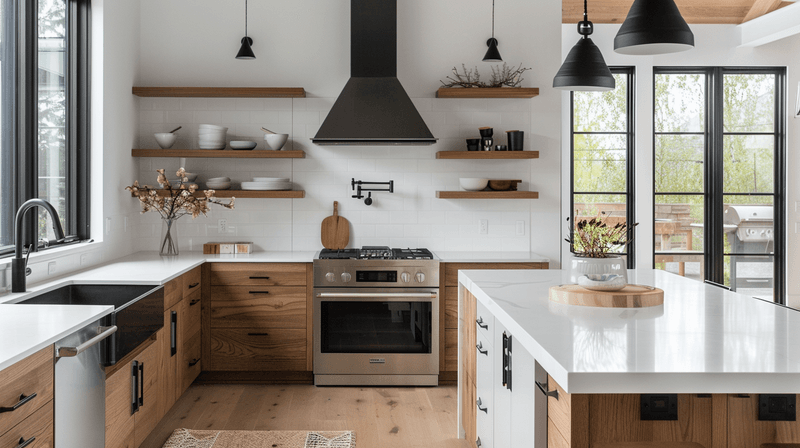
x=489, y=257
x=62, y=333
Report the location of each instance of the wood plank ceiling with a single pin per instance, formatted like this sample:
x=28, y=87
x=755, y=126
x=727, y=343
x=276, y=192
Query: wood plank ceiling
x=694, y=11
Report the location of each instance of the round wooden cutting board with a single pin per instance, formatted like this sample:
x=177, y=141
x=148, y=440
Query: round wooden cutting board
x=631, y=296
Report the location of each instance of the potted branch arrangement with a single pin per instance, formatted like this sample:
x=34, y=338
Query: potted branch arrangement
x=178, y=202
x=505, y=76
x=594, y=243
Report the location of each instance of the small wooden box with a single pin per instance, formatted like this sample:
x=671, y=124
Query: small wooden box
x=228, y=248
x=244, y=248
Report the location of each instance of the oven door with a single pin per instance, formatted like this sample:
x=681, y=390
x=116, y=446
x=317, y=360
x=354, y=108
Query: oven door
x=376, y=336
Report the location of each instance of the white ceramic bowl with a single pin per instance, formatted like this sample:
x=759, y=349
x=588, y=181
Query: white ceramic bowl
x=276, y=141
x=166, y=139
x=473, y=183
x=243, y=144
x=212, y=126
x=219, y=186
x=191, y=176
x=219, y=179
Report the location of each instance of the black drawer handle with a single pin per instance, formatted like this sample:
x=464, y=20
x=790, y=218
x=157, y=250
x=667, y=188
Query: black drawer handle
x=194, y=285
x=481, y=350
x=259, y=278
x=259, y=292
x=23, y=443
x=478, y=442
x=194, y=362
x=173, y=333
x=480, y=323
x=194, y=302
x=543, y=388
x=258, y=334
x=478, y=402
x=141, y=389
x=22, y=400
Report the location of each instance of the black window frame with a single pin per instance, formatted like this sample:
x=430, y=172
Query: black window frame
x=714, y=192
x=630, y=159
x=23, y=153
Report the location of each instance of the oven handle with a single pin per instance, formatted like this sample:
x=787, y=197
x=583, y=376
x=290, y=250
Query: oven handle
x=376, y=295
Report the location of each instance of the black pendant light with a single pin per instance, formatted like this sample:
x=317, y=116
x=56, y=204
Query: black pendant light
x=653, y=27
x=246, y=52
x=492, y=55
x=584, y=69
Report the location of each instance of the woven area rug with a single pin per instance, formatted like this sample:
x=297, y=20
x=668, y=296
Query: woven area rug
x=190, y=438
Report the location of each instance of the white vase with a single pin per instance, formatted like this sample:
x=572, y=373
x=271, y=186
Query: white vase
x=584, y=266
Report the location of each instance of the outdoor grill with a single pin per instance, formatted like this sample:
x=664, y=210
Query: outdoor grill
x=750, y=230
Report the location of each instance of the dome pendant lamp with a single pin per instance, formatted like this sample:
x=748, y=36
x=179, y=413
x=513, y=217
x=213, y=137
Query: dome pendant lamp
x=584, y=69
x=492, y=55
x=653, y=27
x=246, y=52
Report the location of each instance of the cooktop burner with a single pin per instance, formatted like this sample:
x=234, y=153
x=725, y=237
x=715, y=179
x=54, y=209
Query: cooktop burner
x=376, y=253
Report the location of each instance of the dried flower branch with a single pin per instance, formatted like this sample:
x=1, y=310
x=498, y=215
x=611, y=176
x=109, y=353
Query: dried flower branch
x=594, y=238
x=504, y=76
x=179, y=201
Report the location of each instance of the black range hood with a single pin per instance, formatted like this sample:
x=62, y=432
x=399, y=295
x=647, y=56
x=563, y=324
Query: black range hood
x=373, y=109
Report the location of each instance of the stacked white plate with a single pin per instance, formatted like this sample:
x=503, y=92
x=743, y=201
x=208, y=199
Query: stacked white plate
x=219, y=183
x=212, y=136
x=268, y=184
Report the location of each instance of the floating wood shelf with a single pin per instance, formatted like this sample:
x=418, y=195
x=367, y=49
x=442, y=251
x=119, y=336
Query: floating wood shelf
x=497, y=92
x=488, y=155
x=487, y=194
x=221, y=92
x=219, y=154
x=247, y=194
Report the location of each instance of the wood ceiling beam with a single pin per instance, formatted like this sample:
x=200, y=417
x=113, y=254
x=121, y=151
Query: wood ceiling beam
x=694, y=11
x=761, y=7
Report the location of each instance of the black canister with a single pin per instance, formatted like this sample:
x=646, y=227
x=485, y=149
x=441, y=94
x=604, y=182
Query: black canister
x=516, y=140
x=486, y=132
x=473, y=144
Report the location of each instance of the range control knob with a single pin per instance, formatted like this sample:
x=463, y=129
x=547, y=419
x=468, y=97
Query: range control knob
x=346, y=277
x=330, y=276
x=420, y=277
x=405, y=277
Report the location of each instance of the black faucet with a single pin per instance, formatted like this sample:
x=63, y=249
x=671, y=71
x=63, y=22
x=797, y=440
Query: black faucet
x=18, y=264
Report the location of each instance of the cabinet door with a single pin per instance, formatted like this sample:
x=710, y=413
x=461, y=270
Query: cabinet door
x=502, y=394
x=189, y=342
x=485, y=393
x=146, y=418
x=119, y=409
x=169, y=359
x=528, y=403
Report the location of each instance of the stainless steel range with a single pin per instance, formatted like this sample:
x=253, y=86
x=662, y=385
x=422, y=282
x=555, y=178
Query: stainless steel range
x=376, y=317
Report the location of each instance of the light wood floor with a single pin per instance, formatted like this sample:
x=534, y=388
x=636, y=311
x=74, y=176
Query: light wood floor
x=381, y=417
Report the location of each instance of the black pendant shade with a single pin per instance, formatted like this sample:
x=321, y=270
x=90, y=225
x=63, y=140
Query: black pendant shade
x=584, y=69
x=246, y=52
x=653, y=27
x=492, y=55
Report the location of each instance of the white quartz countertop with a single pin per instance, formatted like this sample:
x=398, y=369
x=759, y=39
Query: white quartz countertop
x=702, y=340
x=490, y=257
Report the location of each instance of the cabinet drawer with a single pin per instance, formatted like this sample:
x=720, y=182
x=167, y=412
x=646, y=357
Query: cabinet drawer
x=258, y=307
x=189, y=322
x=559, y=411
x=173, y=292
x=484, y=426
x=38, y=426
x=450, y=307
x=191, y=361
x=190, y=281
x=486, y=319
x=451, y=269
x=33, y=374
x=244, y=349
x=258, y=274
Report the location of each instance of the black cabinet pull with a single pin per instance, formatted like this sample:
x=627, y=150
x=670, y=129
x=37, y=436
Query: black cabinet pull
x=22, y=400
x=259, y=278
x=478, y=403
x=173, y=334
x=194, y=362
x=141, y=389
x=478, y=442
x=506, y=361
x=194, y=285
x=135, y=387
x=23, y=443
x=258, y=334
x=194, y=302
x=259, y=292
x=543, y=388
x=479, y=346
x=480, y=323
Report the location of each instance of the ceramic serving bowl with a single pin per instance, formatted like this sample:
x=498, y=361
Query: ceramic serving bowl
x=166, y=139
x=473, y=183
x=276, y=141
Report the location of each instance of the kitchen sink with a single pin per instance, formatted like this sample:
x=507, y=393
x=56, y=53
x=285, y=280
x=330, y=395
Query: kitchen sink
x=138, y=311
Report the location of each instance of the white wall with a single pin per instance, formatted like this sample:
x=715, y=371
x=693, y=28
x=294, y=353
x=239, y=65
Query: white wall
x=715, y=45
x=306, y=43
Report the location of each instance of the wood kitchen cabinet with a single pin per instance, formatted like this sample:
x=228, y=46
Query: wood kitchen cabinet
x=26, y=391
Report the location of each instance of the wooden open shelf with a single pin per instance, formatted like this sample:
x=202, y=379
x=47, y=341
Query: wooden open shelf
x=488, y=155
x=498, y=92
x=219, y=154
x=221, y=92
x=487, y=194
x=248, y=194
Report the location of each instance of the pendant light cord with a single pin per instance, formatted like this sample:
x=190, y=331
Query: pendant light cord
x=245, y=18
x=585, y=10
x=493, y=19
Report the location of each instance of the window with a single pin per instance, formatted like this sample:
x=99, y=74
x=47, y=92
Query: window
x=719, y=176
x=44, y=136
x=602, y=154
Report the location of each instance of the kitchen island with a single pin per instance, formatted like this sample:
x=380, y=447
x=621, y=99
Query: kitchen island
x=693, y=372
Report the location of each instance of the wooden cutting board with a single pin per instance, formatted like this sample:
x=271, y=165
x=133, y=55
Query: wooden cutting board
x=631, y=296
x=335, y=231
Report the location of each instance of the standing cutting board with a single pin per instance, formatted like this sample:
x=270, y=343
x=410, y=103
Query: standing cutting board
x=335, y=231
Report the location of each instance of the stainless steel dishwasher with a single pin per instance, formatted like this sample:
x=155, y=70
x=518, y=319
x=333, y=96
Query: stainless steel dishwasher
x=80, y=387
